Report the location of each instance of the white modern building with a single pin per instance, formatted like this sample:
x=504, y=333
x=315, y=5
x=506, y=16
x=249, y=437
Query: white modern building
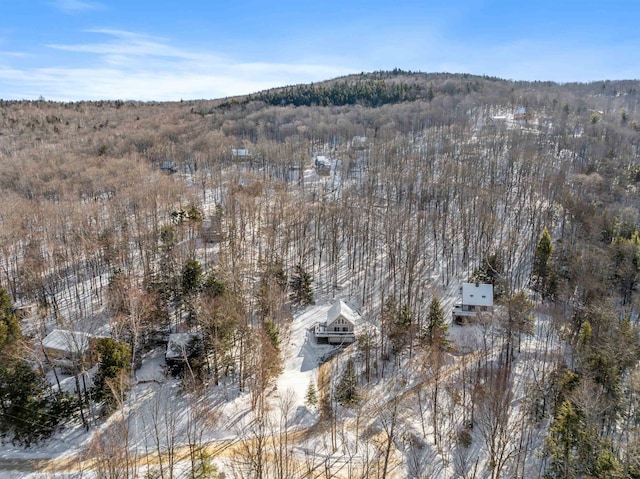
x=339, y=327
x=477, y=299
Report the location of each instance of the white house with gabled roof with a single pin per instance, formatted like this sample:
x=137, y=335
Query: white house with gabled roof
x=477, y=299
x=340, y=325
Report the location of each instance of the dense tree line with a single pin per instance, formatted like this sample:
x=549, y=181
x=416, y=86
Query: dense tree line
x=370, y=90
x=369, y=93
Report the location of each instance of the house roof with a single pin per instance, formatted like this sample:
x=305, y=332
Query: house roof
x=323, y=164
x=76, y=342
x=477, y=294
x=178, y=344
x=340, y=308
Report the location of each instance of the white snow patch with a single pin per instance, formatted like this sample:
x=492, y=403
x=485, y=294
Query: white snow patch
x=302, y=354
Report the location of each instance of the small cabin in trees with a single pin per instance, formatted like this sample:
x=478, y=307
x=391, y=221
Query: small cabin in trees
x=323, y=165
x=521, y=115
x=359, y=143
x=339, y=327
x=212, y=229
x=67, y=349
x=477, y=298
x=240, y=154
x=182, y=348
x=169, y=167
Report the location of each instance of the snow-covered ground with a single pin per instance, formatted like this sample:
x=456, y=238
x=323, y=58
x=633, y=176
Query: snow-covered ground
x=158, y=407
x=302, y=354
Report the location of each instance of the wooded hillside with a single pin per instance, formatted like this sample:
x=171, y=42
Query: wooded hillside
x=131, y=219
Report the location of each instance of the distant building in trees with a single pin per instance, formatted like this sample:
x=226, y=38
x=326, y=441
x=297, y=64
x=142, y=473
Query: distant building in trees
x=323, y=165
x=339, y=327
x=181, y=348
x=521, y=115
x=240, y=154
x=212, y=229
x=359, y=142
x=477, y=298
x=66, y=349
x=169, y=167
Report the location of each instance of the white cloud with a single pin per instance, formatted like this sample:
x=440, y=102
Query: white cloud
x=76, y=6
x=4, y=53
x=133, y=66
x=127, y=43
x=128, y=65
x=170, y=84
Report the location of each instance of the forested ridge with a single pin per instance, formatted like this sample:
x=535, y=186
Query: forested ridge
x=370, y=90
x=130, y=221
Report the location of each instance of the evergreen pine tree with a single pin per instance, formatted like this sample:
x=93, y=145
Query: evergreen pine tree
x=167, y=281
x=23, y=404
x=191, y=276
x=346, y=392
x=10, y=334
x=563, y=440
x=113, y=369
x=191, y=281
x=585, y=336
x=301, y=287
x=437, y=327
x=311, y=397
x=430, y=94
x=398, y=320
x=214, y=287
x=272, y=332
x=540, y=274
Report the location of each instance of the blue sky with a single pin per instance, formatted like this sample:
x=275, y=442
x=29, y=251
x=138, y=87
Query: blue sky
x=172, y=50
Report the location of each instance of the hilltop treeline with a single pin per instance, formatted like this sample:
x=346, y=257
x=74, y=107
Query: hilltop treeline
x=367, y=93
x=369, y=90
